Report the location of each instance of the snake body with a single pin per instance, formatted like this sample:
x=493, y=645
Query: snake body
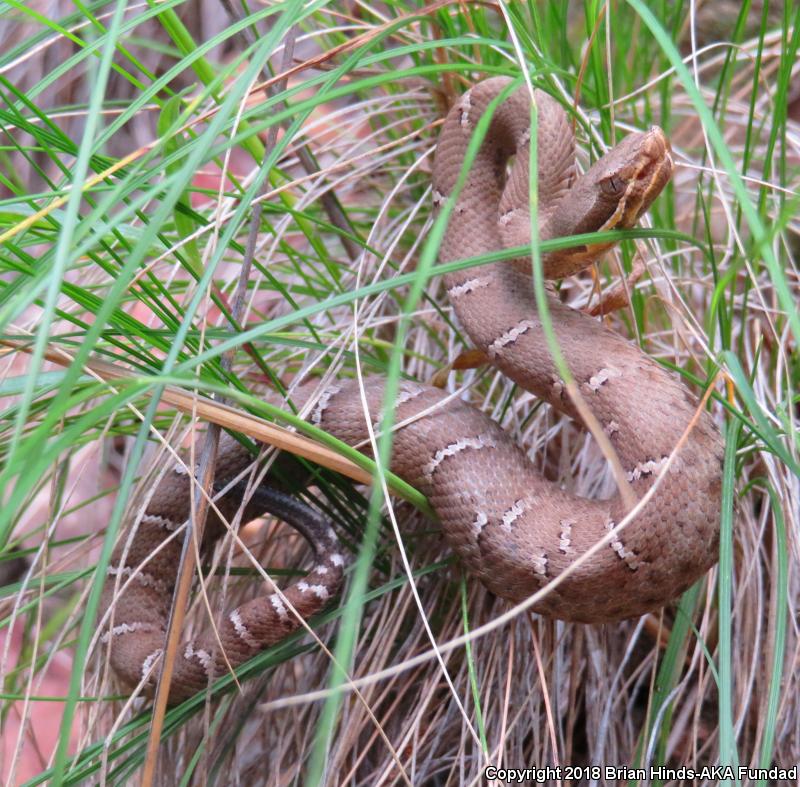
x=512, y=529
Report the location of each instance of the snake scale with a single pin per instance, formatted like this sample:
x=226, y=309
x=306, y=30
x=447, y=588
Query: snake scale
x=512, y=529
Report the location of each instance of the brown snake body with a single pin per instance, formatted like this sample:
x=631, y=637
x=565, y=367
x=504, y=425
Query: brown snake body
x=513, y=529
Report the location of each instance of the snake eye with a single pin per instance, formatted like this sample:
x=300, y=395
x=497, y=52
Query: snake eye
x=613, y=186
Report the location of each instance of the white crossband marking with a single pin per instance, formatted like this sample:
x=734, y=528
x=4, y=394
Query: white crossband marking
x=409, y=391
x=279, y=606
x=650, y=467
x=148, y=663
x=481, y=441
x=513, y=513
x=510, y=336
x=142, y=577
x=467, y=287
x=202, y=656
x=507, y=216
x=465, y=107
x=161, y=521
x=324, y=401
x=565, y=536
x=481, y=520
x=603, y=376
x=628, y=557
x=128, y=628
x=612, y=427
x=540, y=564
x=320, y=591
x=241, y=630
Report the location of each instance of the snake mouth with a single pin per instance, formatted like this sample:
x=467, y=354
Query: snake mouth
x=658, y=167
x=655, y=167
x=647, y=168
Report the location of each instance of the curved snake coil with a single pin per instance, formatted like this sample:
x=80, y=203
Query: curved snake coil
x=513, y=529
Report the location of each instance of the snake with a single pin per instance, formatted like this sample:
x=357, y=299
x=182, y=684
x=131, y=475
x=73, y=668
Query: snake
x=512, y=529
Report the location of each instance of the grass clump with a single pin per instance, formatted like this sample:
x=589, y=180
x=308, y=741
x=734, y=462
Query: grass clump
x=220, y=197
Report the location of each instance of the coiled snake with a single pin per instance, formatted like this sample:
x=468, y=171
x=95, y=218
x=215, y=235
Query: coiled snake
x=512, y=529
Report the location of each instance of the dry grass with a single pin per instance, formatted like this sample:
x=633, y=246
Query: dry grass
x=697, y=685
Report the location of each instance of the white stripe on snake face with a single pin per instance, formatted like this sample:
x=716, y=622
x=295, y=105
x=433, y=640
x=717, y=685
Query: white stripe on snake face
x=161, y=521
x=128, y=628
x=147, y=664
x=465, y=106
x=603, y=376
x=525, y=138
x=628, y=557
x=468, y=286
x=142, y=577
x=650, y=467
x=512, y=514
x=279, y=606
x=510, y=336
x=324, y=401
x=202, y=656
x=565, y=536
x=481, y=441
x=438, y=198
x=241, y=630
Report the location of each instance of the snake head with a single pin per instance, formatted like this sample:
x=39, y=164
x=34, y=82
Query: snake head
x=618, y=188
x=612, y=194
x=628, y=178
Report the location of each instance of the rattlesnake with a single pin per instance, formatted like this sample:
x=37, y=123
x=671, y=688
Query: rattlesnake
x=511, y=528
